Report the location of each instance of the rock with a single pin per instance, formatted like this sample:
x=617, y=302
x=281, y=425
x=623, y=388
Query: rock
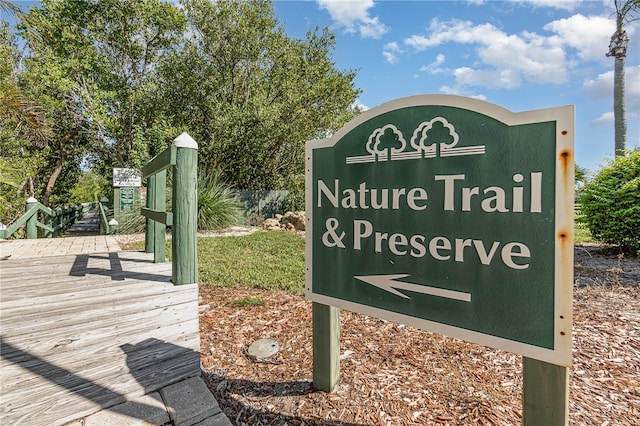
x=271, y=224
x=290, y=221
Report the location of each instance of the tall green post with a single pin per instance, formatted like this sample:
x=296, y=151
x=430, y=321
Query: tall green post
x=156, y=231
x=326, y=347
x=185, y=211
x=32, y=222
x=158, y=202
x=149, y=234
x=545, y=393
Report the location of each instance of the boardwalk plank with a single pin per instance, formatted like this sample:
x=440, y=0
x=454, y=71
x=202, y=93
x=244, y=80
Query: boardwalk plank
x=47, y=323
x=40, y=270
x=110, y=366
x=52, y=342
x=86, y=296
x=111, y=331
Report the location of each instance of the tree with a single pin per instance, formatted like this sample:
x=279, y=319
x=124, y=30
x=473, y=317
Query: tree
x=131, y=37
x=91, y=66
x=250, y=95
x=91, y=187
x=60, y=74
x=625, y=10
x=22, y=124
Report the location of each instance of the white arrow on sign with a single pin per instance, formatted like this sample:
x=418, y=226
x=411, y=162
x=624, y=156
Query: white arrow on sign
x=389, y=283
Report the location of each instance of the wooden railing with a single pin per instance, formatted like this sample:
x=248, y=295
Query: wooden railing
x=107, y=226
x=56, y=221
x=182, y=155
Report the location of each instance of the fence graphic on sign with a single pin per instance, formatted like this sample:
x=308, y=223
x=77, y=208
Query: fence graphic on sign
x=382, y=144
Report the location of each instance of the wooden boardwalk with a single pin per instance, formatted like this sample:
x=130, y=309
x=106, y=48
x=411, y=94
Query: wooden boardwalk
x=85, y=332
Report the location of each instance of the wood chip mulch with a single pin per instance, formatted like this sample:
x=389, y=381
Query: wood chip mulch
x=392, y=374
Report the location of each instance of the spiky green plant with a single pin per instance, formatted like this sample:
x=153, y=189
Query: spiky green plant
x=218, y=206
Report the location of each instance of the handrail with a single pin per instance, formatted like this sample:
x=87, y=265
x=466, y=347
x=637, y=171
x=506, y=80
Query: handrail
x=107, y=227
x=55, y=221
x=182, y=155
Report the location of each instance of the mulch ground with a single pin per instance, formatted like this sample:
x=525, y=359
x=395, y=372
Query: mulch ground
x=398, y=375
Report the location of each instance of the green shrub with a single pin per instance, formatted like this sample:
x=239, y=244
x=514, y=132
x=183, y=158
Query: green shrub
x=295, y=186
x=131, y=221
x=611, y=202
x=218, y=205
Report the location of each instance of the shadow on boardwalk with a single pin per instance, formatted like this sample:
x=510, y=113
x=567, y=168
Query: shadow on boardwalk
x=87, y=332
x=101, y=396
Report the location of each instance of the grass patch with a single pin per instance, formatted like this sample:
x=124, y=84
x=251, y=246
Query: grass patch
x=248, y=301
x=266, y=260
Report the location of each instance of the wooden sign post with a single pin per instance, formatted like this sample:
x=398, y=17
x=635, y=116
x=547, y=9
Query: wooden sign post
x=452, y=215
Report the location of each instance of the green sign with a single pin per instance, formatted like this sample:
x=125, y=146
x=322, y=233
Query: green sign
x=452, y=215
x=127, y=196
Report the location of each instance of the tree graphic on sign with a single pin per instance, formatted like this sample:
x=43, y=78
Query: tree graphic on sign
x=433, y=138
x=385, y=141
x=429, y=134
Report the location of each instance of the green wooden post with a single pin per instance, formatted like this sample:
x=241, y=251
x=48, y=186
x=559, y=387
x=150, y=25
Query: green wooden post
x=50, y=220
x=112, y=226
x=160, y=229
x=149, y=234
x=156, y=231
x=102, y=209
x=185, y=211
x=65, y=219
x=326, y=347
x=32, y=222
x=59, y=221
x=545, y=393
x=116, y=203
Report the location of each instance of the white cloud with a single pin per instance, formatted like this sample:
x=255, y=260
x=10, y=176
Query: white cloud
x=507, y=79
x=354, y=16
x=632, y=89
x=447, y=90
x=605, y=118
x=509, y=58
x=601, y=87
x=359, y=105
x=389, y=57
x=434, y=67
x=554, y=4
x=589, y=35
x=390, y=51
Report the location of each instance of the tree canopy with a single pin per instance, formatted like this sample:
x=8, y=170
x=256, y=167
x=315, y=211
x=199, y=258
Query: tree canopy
x=250, y=94
x=114, y=81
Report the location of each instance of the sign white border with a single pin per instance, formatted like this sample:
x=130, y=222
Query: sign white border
x=564, y=199
x=126, y=177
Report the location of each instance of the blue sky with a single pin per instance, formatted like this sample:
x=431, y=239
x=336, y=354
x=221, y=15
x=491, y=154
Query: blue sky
x=519, y=54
